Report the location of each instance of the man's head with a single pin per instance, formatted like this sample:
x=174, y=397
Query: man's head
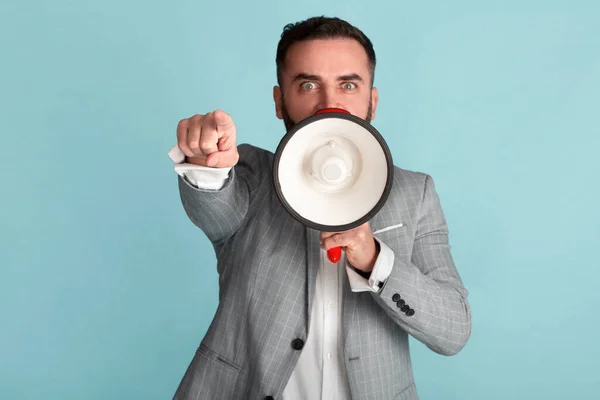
x=323, y=63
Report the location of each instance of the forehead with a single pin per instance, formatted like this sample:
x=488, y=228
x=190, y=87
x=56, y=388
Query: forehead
x=326, y=57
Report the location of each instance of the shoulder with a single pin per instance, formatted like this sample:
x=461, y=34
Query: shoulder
x=250, y=149
x=414, y=192
x=410, y=181
x=254, y=157
x=413, y=188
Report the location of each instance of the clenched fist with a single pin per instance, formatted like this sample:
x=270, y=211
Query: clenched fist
x=208, y=140
x=360, y=245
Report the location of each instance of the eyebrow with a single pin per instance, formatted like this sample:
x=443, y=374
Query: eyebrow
x=310, y=77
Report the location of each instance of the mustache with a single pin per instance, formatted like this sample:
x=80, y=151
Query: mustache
x=289, y=122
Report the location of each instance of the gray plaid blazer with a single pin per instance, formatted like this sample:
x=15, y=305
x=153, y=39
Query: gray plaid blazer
x=267, y=264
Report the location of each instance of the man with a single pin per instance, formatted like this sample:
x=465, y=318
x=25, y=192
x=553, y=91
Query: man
x=290, y=324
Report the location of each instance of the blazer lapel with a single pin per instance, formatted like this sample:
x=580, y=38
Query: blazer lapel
x=349, y=306
x=313, y=259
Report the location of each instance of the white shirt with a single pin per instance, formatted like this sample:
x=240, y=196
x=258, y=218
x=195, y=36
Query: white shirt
x=320, y=372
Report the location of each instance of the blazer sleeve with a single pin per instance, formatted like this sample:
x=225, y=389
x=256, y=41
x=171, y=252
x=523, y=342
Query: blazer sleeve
x=219, y=213
x=426, y=296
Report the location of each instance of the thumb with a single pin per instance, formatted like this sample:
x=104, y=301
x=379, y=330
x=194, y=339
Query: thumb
x=223, y=159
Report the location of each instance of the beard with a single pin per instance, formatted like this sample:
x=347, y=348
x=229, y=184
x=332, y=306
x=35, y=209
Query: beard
x=289, y=123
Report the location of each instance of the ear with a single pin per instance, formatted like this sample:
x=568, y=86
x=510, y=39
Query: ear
x=277, y=100
x=374, y=100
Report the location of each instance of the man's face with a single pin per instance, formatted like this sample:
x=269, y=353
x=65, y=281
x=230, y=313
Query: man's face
x=329, y=73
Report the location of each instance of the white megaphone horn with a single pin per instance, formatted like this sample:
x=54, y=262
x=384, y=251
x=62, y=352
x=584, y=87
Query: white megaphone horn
x=333, y=172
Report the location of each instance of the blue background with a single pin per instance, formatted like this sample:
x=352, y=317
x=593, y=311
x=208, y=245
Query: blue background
x=106, y=288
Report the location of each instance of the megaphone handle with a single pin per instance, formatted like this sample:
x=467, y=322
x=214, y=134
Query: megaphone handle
x=334, y=254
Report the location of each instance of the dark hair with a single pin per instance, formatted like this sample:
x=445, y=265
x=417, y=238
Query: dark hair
x=321, y=28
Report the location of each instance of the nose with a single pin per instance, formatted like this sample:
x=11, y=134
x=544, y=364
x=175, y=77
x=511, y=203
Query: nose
x=330, y=99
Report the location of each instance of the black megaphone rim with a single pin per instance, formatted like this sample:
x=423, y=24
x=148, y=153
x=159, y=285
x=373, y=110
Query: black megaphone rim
x=369, y=215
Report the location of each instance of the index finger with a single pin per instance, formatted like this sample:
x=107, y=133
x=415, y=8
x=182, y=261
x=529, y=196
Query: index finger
x=224, y=123
x=325, y=235
x=182, y=132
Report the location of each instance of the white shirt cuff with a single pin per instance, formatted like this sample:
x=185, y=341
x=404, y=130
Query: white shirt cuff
x=381, y=271
x=198, y=175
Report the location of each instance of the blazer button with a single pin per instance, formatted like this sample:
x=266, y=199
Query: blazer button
x=395, y=297
x=405, y=308
x=269, y=398
x=410, y=312
x=297, y=344
x=400, y=303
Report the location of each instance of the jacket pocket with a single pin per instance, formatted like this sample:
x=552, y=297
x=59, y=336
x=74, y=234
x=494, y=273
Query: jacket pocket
x=217, y=358
x=210, y=376
x=389, y=229
x=408, y=393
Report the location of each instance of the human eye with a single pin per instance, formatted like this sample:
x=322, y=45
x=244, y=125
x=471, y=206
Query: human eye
x=349, y=85
x=308, y=86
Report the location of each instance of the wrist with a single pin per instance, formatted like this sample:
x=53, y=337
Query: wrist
x=369, y=268
x=377, y=251
x=196, y=160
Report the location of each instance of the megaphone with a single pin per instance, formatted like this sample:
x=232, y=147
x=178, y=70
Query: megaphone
x=332, y=172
